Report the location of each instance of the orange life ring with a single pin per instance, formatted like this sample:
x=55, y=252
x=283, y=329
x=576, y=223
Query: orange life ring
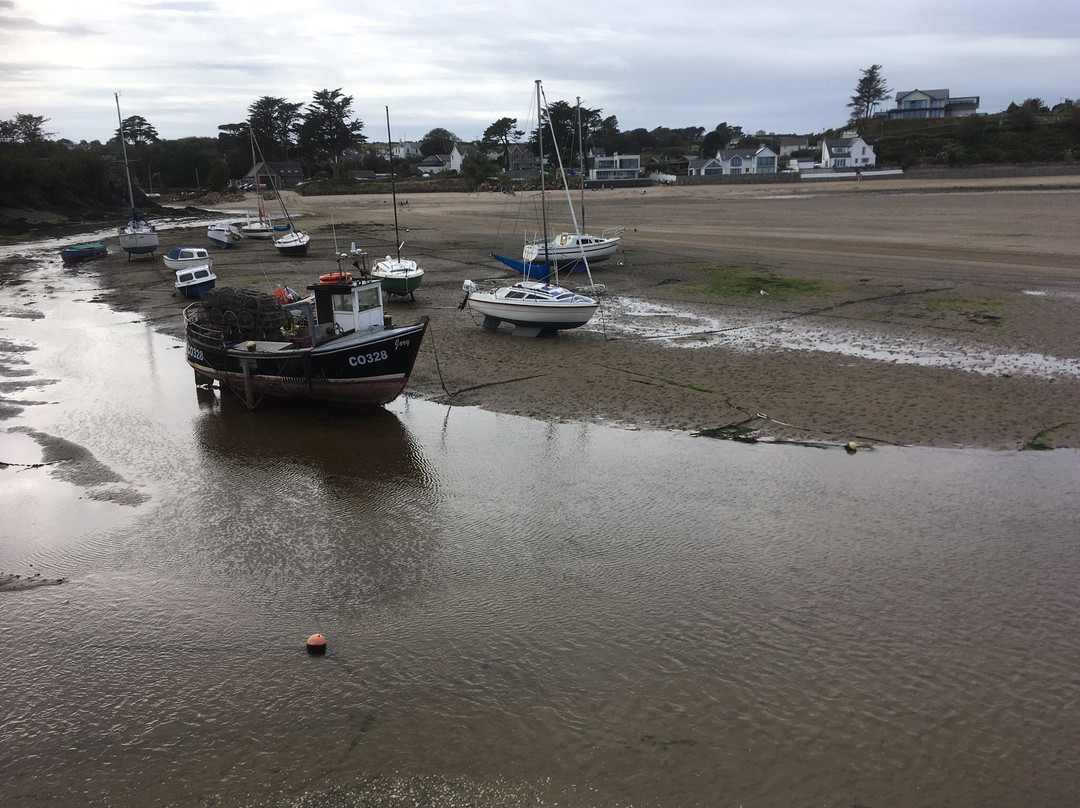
x=336, y=277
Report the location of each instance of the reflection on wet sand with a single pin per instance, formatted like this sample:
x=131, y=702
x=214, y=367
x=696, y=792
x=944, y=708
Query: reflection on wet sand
x=294, y=488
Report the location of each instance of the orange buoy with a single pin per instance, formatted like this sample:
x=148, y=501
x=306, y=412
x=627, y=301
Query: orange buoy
x=316, y=644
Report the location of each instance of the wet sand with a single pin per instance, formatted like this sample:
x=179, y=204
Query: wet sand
x=970, y=270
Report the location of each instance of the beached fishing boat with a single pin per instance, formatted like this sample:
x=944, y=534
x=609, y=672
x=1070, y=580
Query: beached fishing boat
x=537, y=306
x=182, y=257
x=195, y=281
x=224, y=234
x=336, y=345
x=398, y=276
x=138, y=236
x=83, y=252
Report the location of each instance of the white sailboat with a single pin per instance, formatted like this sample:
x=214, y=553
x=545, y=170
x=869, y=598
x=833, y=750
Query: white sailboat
x=398, y=276
x=261, y=228
x=569, y=249
x=533, y=307
x=138, y=236
x=292, y=242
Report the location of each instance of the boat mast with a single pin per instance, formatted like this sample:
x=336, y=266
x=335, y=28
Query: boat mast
x=543, y=190
x=569, y=204
x=393, y=185
x=255, y=171
x=581, y=162
x=123, y=146
x=273, y=183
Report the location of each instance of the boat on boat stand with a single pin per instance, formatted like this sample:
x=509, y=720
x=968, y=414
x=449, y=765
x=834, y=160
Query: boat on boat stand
x=538, y=305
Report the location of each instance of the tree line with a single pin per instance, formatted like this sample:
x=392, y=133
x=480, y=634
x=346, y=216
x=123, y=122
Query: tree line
x=327, y=138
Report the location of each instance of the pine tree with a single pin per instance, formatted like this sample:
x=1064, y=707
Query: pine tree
x=869, y=92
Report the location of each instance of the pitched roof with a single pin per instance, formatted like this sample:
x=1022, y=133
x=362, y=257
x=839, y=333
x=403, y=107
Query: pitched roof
x=940, y=94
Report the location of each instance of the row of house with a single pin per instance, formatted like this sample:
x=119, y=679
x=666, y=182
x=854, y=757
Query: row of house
x=849, y=151
x=522, y=162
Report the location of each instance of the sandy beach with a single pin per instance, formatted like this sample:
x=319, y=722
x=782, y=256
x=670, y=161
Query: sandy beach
x=945, y=312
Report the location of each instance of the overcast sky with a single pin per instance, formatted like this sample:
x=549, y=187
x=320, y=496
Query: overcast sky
x=782, y=66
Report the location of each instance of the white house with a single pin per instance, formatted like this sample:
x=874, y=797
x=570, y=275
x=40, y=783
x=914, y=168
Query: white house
x=615, y=168
x=850, y=151
x=406, y=149
x=757, y=160
x=459, y=153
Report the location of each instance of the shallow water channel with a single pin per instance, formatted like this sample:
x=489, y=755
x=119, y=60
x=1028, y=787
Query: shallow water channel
x=554, y=614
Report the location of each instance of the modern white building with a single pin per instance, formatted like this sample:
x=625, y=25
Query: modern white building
x=727, y=162
x=933, y=104
x=615, y=168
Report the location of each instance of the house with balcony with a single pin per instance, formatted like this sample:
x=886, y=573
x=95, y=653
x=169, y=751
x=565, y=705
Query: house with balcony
x=729, y=162
x=616, y=168
x=932, y=104
x=849, y=151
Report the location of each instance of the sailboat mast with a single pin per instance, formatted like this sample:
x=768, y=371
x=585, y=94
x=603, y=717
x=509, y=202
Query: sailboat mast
x=273, y=183
x=569, y=204
x=543, y=190
x=123, y=146
x=393, y=185
x=255, y=171
x=581, y=162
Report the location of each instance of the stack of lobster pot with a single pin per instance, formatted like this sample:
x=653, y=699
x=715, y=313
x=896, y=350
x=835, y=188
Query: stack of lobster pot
x=243, y=314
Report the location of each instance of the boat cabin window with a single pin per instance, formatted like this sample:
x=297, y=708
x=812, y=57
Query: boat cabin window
x=369, y=298
x=185, y=277
x=202, y=273
x=343, y=303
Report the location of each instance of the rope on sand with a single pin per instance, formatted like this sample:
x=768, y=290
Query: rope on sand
x=737, y=428
x=438, y=366
x=4, y=464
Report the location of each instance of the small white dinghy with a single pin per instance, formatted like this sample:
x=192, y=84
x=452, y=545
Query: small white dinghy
x=183, y=257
